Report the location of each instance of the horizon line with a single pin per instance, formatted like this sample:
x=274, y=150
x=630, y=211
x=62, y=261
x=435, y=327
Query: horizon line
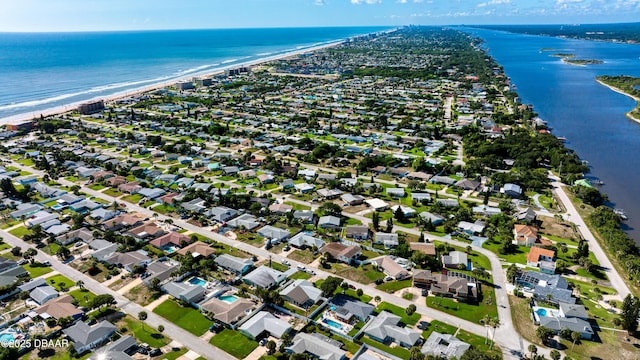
x=302, y=27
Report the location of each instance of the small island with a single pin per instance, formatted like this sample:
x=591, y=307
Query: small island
x=627, y=85
x=583, y=61
x=563, y=55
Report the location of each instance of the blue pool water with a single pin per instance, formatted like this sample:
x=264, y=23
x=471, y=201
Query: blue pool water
x=7, y=338
x=333, y=308
x=197, y=281
x=229, y=299
x=333, y=324
x=541, y=312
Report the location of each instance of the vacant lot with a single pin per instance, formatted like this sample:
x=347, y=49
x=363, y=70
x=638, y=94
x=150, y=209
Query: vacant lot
x=187, y=318
x=234, y=343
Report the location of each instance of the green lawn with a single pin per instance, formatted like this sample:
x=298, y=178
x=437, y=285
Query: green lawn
x=20, y=231
x=234, y=343
x=83, y=296
x=112, y=192
x=473, y=313
x=300, y=275
x=398, y=351
x=134, y=199
x=187, y=318
x=397, y=310
x=520, y=256
x=57, y=281
x=173, y=355
x=96, y=187
x=393, y=286
x=36, y=271
x=144, y=333
x=297, y=206
x=476, y=341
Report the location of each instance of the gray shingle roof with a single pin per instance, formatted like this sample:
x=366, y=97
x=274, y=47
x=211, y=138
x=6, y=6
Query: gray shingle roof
x=318, y=345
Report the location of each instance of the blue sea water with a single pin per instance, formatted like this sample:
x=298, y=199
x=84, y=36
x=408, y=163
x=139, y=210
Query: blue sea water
x=591, y=116
x=45, y=70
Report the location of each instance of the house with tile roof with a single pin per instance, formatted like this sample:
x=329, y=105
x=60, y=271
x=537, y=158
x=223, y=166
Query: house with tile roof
x=343, y=253
x=542, y=258
x=525, y=235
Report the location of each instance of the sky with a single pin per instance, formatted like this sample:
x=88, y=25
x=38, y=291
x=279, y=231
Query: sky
x=102, y=15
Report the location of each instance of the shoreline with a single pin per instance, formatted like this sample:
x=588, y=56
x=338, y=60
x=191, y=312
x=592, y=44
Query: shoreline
x=61, y=109
x=620, y=91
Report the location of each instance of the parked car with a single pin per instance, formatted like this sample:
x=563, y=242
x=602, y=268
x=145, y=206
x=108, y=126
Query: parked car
x=286, y=262
x=263, y=342
x=301, y=268
x=155, y=352
x=379, y=281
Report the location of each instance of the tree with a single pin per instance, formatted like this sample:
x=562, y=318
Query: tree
x=399, y=214
x=630, y=312
x=271, y=347
x=102, y=300
x=330, y=285
x=555, y=354
x=544, y=333
x=575, y=338
x=63, y=253
x=375, y=219
x=377, y=299
x=532, y=349
x=160, y=328
x=359, y=292
x=512, y=273
x=416, y=353
x=344, y=286
x=410, y=309
x=330, y=208
x=389, y=228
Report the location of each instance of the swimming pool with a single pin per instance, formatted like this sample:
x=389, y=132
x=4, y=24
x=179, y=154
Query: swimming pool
x=333, y=324
x=541, y=312
x=197, y=281
x=6, y=338
x=229, y=299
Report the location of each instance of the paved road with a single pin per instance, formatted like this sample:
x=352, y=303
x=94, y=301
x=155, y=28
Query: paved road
x=572, y=215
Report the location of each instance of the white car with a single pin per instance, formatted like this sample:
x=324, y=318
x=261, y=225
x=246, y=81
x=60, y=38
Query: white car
x=301, y=268
x=285, y=262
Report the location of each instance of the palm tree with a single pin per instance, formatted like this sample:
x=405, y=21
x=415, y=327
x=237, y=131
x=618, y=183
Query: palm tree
x=485, y=321
x=575, y=337
x=532, y=349
x=80, y=284
x=494, y=322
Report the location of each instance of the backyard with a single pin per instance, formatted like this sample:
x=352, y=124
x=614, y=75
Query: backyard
x=234, y=343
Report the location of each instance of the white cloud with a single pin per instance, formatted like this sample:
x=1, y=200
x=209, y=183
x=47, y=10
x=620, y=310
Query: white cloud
x=493, y=3
x=319, y=2
x=370, y=2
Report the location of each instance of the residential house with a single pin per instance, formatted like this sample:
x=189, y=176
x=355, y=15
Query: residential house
x=557, y=324
x=448, y=202
x=304, y=216
x=83, y=234
x=527, y=215
x=512, y=190
x=347, y=308
x=130, y=187
x=545, y=287
x=358, y=232
x=384, y=328
x=343, y=253
x=525, y=235
x=467, y=184
x=445, y=345
x=129, y=260
x=246, y=221
x=196, y=205
x=329, y=222
x=301, y=293
x=302, y=240
x=146, y=231
x=124, y=221
x=170, y=241
x=426, y=248
x=420, y=197
x=304, y=188
x=567, y=310
x=352, y=200
x=475, y=228
x=287, y=184
x=318, y=346
x=264, y=277
x=44, y=293
x=151, y=193
x=454, y=259
x=58, y=308
x=87, y=337
x=329, y=193
x=389, y=240
x=377, y=204
x=186, y=292
x=274, y=234
x=280, y=208
x=228, y=313
x=407, y=211
x=434, y=218
x=396, y=192
x=264, y=322
x=234, y=264
x=486, y=210
x=160, y=269
x=391, y=268
x=450, y=284
x=542, y=258
x=197, y=249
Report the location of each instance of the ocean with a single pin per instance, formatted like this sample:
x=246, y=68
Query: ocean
x=591, y=116
x=45, y=70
